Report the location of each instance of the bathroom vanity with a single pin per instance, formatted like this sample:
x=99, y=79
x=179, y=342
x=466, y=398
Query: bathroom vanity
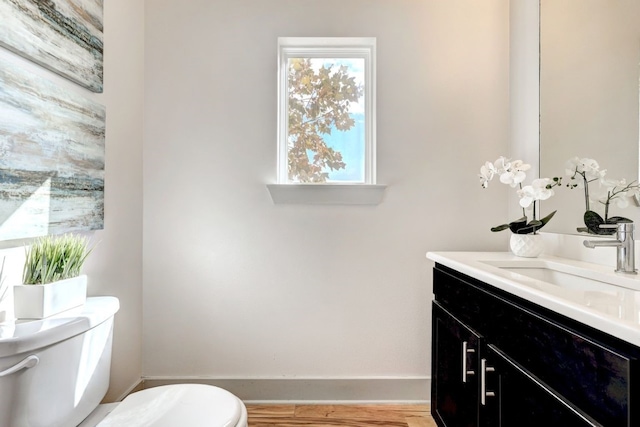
x=533, y=342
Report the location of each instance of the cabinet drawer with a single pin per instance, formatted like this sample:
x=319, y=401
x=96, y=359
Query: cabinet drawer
x=581, y=369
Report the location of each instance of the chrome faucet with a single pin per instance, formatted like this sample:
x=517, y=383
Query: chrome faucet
x=624, y=244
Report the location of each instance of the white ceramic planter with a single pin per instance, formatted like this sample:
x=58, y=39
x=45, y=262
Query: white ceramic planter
x=526, y=245
x=40, y=301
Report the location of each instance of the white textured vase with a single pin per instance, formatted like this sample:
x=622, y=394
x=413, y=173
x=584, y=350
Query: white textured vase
x=40, y=301
x=526, y=245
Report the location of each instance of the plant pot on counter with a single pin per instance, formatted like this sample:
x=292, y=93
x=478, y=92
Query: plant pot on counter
x=526, y=245
x=40, y=301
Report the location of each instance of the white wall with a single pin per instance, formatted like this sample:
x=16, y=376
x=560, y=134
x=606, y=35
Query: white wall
x=115, y=267
x=524, y=91
x=117, y=263
x=237, y=287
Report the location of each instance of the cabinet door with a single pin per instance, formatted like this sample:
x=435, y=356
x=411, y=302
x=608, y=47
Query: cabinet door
x=511, y=397
x=595, y=372
x=455, y=386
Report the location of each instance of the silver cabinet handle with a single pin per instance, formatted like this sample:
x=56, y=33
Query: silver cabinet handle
x=28, y=362
x=465, y=351
x=483, y=381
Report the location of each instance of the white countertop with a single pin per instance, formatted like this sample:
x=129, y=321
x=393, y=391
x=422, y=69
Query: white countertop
x=612, y=306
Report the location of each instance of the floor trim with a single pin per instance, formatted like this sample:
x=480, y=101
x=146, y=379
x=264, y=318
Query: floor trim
x=404, y=390
x=137, y=386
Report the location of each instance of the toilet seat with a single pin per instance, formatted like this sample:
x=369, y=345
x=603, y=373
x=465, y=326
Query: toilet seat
x=193, y=405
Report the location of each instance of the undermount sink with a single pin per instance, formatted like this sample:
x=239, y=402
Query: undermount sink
x=570, y=276
x=549, y=272
x=601, y=290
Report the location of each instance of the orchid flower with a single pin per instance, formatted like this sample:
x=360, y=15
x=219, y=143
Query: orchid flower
x=540, y=189
x=487, y=171
x=588, y=170
x=512, y=173
x=585, y=171
x=589, y=167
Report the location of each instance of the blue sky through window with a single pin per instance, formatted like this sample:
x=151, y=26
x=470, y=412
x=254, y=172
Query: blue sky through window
x=351, y=143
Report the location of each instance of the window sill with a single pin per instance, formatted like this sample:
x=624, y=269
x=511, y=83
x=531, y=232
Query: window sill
x=326, y=194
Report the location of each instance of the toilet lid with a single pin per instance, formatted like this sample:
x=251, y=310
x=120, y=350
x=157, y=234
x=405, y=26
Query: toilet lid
x=192, y=405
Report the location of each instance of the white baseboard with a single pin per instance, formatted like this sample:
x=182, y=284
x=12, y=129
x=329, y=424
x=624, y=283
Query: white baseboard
x=397, y=390
x=139, y=385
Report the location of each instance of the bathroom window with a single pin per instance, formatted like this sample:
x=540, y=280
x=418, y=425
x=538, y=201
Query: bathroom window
x=326, y=110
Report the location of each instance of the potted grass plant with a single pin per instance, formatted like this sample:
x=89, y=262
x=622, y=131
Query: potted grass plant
x=51, y=277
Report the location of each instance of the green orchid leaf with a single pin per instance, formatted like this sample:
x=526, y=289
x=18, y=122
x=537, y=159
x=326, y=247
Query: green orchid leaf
x=613, y=220
x=536, y=224
x=547, y=218
x=518, y=224
x=529, y=229
x=618, y=219
x=521, y=226
x=593, y=221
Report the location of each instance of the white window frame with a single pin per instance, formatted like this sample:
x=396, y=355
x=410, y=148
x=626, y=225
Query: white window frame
x=328, y=47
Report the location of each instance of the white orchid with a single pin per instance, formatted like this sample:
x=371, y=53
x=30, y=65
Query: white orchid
x=616, y=191
x=582, y=171
x=512, y=173
x=585, y=171
x=589, y=168
x=540, y=189
x=487, y=172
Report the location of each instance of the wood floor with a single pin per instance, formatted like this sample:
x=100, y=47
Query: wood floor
x=340, y=415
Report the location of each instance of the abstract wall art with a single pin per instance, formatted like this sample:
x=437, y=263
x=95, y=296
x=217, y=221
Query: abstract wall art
x=52, y=148
x=65, y=36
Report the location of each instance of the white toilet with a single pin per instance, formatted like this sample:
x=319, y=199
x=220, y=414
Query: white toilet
x=54, y=372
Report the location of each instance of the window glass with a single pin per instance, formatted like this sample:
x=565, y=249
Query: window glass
x=326, y=120
x=326, y=111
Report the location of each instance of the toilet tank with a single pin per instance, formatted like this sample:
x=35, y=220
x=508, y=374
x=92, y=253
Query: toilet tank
x=55, y=371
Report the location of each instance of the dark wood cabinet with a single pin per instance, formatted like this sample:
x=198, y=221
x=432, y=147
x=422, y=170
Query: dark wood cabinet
x=456, y=352
x=519, y=399
x=502, y=361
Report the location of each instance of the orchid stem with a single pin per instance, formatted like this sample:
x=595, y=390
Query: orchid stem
x=586, y=191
